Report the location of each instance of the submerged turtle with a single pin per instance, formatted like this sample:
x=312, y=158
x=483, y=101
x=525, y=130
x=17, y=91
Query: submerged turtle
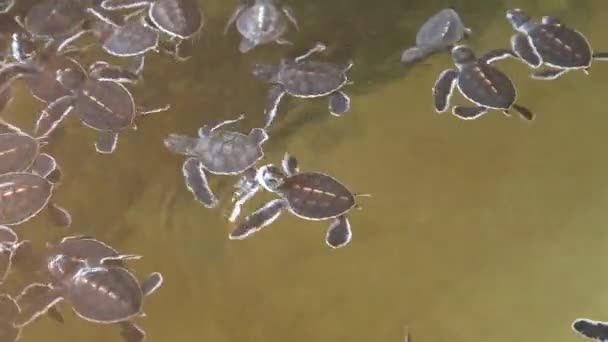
x=107, y=295
x=24, y=194
x=217, y=151
x=439, y=32
x=551, y=43
x=9, y=244
x=594, y=330
x=102, y=104
x=478, y=81
x=300, y=77
x=181, y=20
x=310, y=195
x=260, y=23
x=20, y=152
x=9, y=311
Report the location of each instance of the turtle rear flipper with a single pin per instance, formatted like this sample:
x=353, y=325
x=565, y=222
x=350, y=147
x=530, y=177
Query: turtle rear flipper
x=60, y=216
x=44, y=165
x=275, y=94
x=600, y=56
x=131, y=332
x=522, y=48
x=106, y=142
x=548, y=74
x=52, y=115
x=339, y=103
x=339, y=232
x=524, y=112
x=469, y=113
x=196, y=182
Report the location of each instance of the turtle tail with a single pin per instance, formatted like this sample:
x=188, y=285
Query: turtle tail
x=180, y=144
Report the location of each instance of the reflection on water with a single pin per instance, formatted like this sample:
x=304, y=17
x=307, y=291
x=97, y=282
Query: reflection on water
x=487, y=230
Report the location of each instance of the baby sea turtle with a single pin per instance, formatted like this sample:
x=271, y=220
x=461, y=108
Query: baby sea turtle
x=106, y=295
x=478, y=81
x=181, y=20
x=218, y=152
x=310, y=195
x=552, y=43
x=91, y=251
x=9, y=244
x=300, y=77
x=594, y=330
x=261, y=22
x=103, y=105
x=9, y=311
x=439, y=32
x=20, y=152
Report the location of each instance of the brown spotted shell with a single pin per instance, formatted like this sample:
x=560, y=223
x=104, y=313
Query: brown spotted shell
x=316, y=196
x=22, y=196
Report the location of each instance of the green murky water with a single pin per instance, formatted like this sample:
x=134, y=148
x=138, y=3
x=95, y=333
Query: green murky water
x=492, y=230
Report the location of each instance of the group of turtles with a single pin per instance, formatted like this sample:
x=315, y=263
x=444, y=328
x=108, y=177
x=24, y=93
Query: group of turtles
x=91, y=276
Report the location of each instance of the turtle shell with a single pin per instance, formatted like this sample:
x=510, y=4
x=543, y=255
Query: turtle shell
x=262, y=23
x=225, y=152
x=43, y=84
x=486, y=86
x=316, y=196
x=132, y=39
x=179, y=18
x=53, y=18
x=88, y=249
x=311, y=78
x=560, y=46
x=22, y=196
x=104, y=295
x=105, y=105
x=17, y=152
x=441, y=30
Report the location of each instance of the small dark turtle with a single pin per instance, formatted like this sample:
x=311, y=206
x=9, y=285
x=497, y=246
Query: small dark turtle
x=9, y=311
x=20, y=152
x=552, y=43
x=439, y=32
x=217, y=151
x=478, y=81
x=103, y=105
x=6, y=6
x=9, y=244
x=106, y=295
x=308, y=195
x=594, y=330
x=304, y=78
x=181, y=20
x=23, y=195
x=260, y=23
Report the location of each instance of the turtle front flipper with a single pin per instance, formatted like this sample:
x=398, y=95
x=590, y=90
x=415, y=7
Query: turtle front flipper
x=591, y=329
x=7, y=235
x=339, y=233
x=275, y=94
x=524, y=112
x=60, y=216
x=196, y=182
x=118, y=260
x=496, y=55
x=549, y=20
x=115, y=74
x=106, y=142
x=131, y=332
x=547, y=74
x=260, y=218
x=291, y=15
x=44, y=165
x=152, y=283
x=34, y=301
x=5, y=97
x=469, y=113
x=240, y=8
x=290, y=164
x=246, y=191
x=52, y=115
x=6, y=255
x=339, y=103
x=600, y=56
x=522, y=48
x=121, y=4
x=442, y=89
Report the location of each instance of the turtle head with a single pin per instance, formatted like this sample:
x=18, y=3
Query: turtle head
x=462, y=54
x=265, y=72
x=22, y=47
x=517, y=18
x=60, y=266
x=70, y=78
x=270, y=177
